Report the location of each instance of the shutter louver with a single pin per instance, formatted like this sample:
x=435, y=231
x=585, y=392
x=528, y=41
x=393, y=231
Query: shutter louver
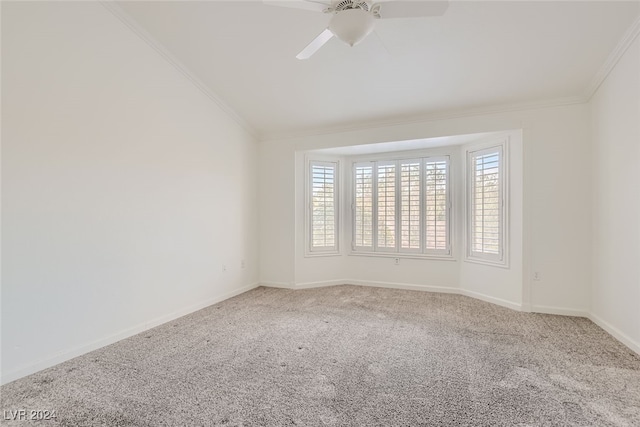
x=410, y=205
x=486, y=204
x=323, y=207
x=402, y=206
x=436, y=205
x=386, y=206
x=363, y=206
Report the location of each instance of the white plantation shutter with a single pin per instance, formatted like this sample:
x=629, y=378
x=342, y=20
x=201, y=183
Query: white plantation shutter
x=436, y=215
x=486, y=213
x=323, y=211
x=402, y=206
x=363, y=206
x=410, y=206
x=386, y=205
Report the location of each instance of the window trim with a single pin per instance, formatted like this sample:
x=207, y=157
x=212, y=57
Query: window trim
x=502, y=260
x=397, y=158
x=310, y=251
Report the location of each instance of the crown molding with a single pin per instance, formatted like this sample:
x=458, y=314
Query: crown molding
x=443, y=115
x=618, y=52
x=135, y=27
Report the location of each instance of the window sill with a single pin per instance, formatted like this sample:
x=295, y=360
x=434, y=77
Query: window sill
x=321, y=254
x=499, y=264
x=404, y=256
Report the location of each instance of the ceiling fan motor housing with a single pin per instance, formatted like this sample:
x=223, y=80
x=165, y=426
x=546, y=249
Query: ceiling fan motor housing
x=351, y=4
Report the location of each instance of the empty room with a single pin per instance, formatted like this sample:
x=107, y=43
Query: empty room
x=320, y=212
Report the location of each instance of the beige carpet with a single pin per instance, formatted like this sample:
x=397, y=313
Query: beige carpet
x=348, y=356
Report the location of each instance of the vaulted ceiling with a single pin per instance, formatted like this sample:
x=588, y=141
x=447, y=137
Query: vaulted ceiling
x=478, y=54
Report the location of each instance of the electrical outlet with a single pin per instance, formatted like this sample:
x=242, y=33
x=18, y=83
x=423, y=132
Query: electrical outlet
x=396, y=261
x=242, y=264
x=224, y=267
x=536, y=275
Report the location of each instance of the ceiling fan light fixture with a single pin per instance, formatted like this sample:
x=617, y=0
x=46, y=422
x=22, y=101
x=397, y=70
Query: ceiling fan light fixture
x=352, y=25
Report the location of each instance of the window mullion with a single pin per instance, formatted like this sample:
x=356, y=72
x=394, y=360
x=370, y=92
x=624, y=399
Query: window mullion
x=374, y=198
x=448, y=207
x=398, y=205
x=354, y=201
x=501, y=206
x=423, y=209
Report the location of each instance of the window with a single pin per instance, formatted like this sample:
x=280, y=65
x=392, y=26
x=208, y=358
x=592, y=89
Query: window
x=363, y=205
x=323, y=207
x=401, y=206
x=486, y=205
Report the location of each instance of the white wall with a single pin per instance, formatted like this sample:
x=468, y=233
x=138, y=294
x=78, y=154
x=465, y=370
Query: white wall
x=615, y=115
x=125, y=189
x=276, y=214
x=556, y=204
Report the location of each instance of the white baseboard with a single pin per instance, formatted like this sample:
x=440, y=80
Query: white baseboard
x=282, y=285
x=616, y=333
x=406, y=286
x=322, y=284
x=65, y=355
x=429, y=288
x=493, y=300
x=391, y=285
x=626, y=340
x=559, y=311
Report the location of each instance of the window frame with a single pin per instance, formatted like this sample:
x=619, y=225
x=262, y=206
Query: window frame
x=398, y=158
x=502, y=258
x=310, y=250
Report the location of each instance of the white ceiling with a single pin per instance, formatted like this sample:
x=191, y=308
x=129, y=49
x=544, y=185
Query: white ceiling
x=478, y=54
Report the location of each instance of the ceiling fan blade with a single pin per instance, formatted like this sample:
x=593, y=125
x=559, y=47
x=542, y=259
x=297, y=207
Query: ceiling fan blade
x=412, y=8
x=315, y=6
x=316, y=44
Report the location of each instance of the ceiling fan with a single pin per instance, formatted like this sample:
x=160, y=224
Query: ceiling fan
x=353, y=20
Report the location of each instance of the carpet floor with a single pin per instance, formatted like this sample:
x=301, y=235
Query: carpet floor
x=345, y=356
